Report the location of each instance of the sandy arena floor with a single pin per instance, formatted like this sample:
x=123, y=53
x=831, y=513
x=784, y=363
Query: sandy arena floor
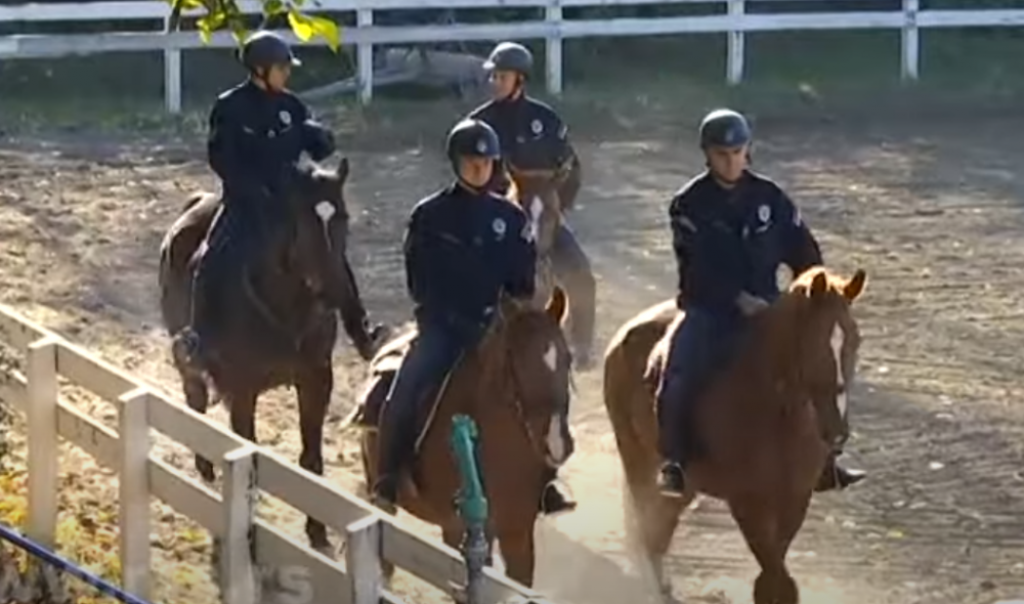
x=932, y=211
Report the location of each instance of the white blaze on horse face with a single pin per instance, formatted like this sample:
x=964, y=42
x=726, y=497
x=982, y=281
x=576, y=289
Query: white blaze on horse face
x=536, y=209
x=325, y=210
x=551, y=357
x=556, y=444
x=838, y=339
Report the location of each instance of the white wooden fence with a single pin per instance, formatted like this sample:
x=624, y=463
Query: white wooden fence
x=553, y=29
x=371, y=536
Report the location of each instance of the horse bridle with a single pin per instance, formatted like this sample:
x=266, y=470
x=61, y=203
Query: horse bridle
x=537, y=445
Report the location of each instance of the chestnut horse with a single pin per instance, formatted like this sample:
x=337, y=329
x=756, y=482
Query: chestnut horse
x=764, y=427
x=293, y=292
x=536, y=192
x=516, y=387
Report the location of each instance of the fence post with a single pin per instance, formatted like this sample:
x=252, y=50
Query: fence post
x=43, y=452
x=172, y=75
x=553, y=46
x=736, y=46
x=238, y=577
x=362, y=559
x=133, y=434
x=364, y=57
x=910, y=39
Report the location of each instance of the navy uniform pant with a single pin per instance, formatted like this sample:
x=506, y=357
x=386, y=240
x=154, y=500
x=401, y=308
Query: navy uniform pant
x=238, y=235
x=572, y=271
x=700, y=347
x=432, y=356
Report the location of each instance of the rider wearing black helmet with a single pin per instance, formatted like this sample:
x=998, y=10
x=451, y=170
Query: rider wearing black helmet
x=258, y=130
x=731, y=229
x=464, y=246
x=534, y=137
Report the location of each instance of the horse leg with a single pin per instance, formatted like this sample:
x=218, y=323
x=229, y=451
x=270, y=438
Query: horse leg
x=197, y=397
x=761, y=528
x=791, y=518
x=516, y=541
x=314, y=387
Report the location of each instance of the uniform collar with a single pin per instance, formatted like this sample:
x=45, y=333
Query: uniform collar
x=512, y=102
x=464, y=190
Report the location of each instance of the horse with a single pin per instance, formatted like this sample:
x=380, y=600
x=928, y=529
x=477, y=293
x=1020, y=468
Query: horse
x=516, y=387
x=543, y=195
x=536, y=193
x=293, y=291
x=764, y=426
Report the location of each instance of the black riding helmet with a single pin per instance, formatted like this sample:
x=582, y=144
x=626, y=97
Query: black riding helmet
x=265, y=48
x=724, y=128
x=510, y=56
x=473, y=138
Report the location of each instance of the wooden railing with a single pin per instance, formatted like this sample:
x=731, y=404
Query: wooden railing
x=371, y=536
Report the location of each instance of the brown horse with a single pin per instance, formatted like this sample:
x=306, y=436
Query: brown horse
x=292, y=292
x=516, y=387
x=765, y=426
x=536, y=192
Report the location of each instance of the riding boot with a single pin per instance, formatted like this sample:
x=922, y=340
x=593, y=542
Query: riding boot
x=553, y=501
x=672, y=479
x=673, y=415
x=836, y=478
x=397, y=433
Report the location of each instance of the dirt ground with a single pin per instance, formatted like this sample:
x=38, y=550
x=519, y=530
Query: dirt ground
x=931, y=209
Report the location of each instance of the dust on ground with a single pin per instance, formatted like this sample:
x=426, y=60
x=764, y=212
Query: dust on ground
x=931, y=209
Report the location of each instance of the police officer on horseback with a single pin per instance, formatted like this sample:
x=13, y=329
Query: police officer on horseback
x=731, y=229
x=464, y=246
x=534, y=137
x=258, y=130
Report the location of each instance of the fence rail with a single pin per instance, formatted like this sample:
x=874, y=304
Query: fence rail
x=372, y=537
x=737, y=21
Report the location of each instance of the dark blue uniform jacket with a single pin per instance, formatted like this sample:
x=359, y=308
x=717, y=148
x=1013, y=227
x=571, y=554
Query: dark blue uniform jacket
x=727, y=241
x=462, y=249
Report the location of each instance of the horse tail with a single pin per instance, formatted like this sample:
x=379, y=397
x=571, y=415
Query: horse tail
x=622, y=387
x=630, y=405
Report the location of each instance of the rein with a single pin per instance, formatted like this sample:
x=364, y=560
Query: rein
x=536, y=444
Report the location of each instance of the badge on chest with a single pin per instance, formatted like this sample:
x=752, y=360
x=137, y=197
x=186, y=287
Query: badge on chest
x=763, y=222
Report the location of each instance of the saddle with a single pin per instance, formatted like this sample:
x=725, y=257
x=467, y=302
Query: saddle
x=385, y=366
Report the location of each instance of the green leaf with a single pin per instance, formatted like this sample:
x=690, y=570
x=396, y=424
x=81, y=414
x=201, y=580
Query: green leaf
x=238, y=30
x=328, y=30
x=186, y=4
x=301, y=25
x=273, y=7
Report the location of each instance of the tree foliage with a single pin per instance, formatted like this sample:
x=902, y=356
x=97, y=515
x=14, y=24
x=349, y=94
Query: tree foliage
x=216, y=15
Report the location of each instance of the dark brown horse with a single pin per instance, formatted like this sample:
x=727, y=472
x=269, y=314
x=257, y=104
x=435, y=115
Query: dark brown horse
x=765, y=426
x=292, y=292
x=516, y=387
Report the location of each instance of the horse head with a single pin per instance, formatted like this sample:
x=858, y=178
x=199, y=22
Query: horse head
x=536, y=192
x=829, y=340
x=539, y=365
x=320, y=222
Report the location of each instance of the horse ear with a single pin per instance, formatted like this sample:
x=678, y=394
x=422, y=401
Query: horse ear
x=342, y=170
x=819, y=285
x=557, y=305
x=855, y=286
